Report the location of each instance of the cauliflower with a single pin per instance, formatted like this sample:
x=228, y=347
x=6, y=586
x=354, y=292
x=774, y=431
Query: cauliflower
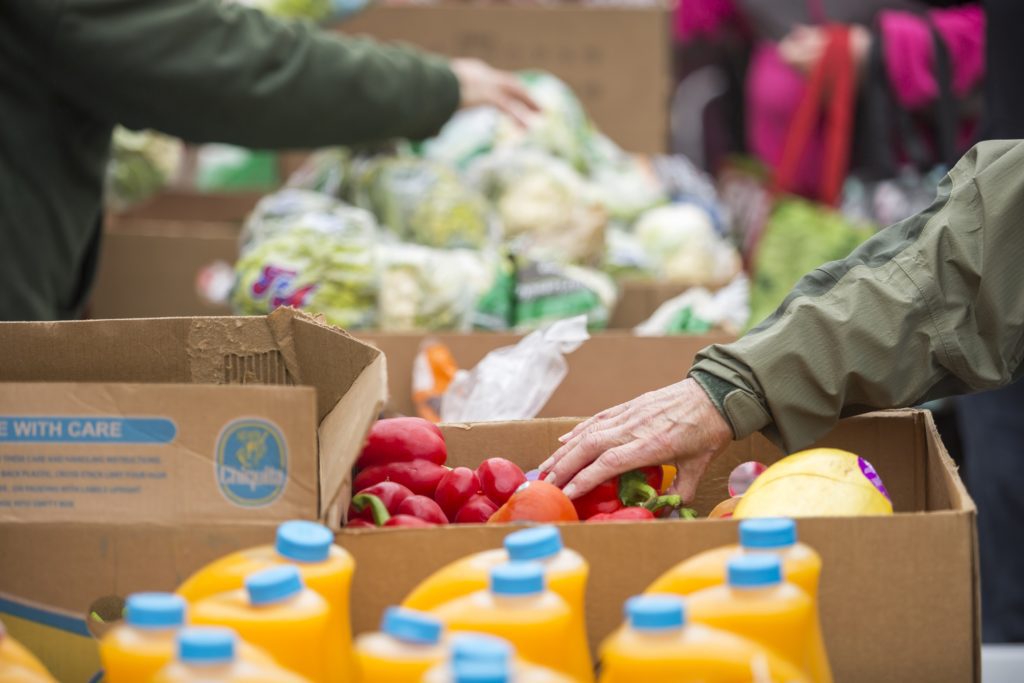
x=682, y=242
x=141, y=164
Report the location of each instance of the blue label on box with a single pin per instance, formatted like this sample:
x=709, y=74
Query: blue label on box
x=86, y=429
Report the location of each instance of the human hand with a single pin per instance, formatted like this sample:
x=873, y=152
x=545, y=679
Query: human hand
x=676, y=424
x=483, y=85
x=804, y=46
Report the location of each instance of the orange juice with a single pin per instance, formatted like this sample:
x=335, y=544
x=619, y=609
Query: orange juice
x=565, y=570
x=325, y=567
x=499, y=659
x=18, y=665
x=408, y=645
x=757, y=604
x=146, y=641
x=519, y=608
x=800, y=563
x=657, y=644
x=208, y=655
x=278, y=614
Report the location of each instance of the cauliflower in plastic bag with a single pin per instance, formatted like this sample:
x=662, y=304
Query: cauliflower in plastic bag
x=546, y=209
x=141, y=164
x=278, y=211
x=326, y=171
x=323, y=262
x=625, y=256
x=560, y=128
x=698, y=311
x=431, y=289
x=424, y=202
x=546, y=292
x=682, y=241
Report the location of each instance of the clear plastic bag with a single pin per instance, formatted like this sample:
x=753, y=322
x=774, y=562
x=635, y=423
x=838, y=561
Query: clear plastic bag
x=514, y=382
x=697, y=311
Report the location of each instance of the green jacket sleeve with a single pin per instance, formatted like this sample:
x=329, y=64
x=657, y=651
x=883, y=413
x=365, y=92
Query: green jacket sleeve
x=929, y=307
x=207, y=71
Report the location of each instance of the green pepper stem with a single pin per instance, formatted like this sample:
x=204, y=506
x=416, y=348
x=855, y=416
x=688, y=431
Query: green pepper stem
x=377, y=508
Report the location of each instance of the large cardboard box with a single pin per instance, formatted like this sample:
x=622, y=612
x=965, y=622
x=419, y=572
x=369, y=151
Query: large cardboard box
x=899, y=594
x=616, y=59
x=608, y=369
x=132, y=451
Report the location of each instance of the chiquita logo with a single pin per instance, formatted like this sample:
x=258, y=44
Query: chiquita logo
x=252, y=462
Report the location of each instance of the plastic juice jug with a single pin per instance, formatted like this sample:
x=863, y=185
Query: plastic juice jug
x=325, y=567
x=485, y=649
x=408, y=645
x=801, y=565
x=278, y=614
x=757, y=604
x=519, y=608
x=209, y=655
x=18, y=665
x=657, y=644
x=146, y=640
x=565, y=570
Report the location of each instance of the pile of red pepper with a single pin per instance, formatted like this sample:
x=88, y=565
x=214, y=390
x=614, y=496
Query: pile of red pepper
x=401, y=480
x=636, y=495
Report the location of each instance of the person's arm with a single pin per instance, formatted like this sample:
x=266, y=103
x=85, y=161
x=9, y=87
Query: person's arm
x=929, y=307
x=932, y=306
x=208, y=71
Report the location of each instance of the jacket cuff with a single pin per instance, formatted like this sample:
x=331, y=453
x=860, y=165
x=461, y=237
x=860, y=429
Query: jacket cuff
x=740, y=407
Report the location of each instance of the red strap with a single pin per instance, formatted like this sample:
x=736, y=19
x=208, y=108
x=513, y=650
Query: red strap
x=831, y=83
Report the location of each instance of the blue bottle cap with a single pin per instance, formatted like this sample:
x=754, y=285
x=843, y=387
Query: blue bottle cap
x=754, y=571
x=302, y=541
x=273, y=585
x=767, y=533
x=517, y=578
x=480, y=647
x=538, y=543
x=655, y=612
x=206, y=645
x=411, y=626
x=155, y=610
x=480, y=672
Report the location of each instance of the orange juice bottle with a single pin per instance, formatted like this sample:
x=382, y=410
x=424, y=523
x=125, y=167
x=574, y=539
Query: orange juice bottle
x=800, y=563
x=757, y=604
x=18, y=665
x=209, y=655
x=518, y=607
x=565, y=570
x=279, y=615
x=325, y=567
x=147, y=639
x=479, y=648
x=408, y=645
x=657, y=644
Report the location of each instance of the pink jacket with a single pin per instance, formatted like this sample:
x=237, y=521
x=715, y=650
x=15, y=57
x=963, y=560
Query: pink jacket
x=773, y=89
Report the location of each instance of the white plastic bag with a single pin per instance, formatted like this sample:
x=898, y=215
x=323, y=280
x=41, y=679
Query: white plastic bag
x=698, y=310
x=514, y=382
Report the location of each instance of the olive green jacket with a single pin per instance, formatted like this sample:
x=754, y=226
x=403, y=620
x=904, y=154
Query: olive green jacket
x=932, y=306
x=197, y=69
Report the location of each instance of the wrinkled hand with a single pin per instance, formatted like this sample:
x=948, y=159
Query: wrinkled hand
x=677, y=424
x=483, y=85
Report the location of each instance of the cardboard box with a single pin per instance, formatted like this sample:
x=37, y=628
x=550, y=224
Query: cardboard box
x=606, y=370
x=899, y=595
x=133, y=451
x=616, y=59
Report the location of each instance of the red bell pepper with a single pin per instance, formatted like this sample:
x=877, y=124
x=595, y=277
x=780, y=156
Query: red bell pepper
x=381, y=516
x=419, y=476
x=499, y=479
x=407, y=521
x=455, y=489
x=390, y=493
x=639, y=488
x=402, y=439
x=624, y=514
x=477, y=510
x=422, y=507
